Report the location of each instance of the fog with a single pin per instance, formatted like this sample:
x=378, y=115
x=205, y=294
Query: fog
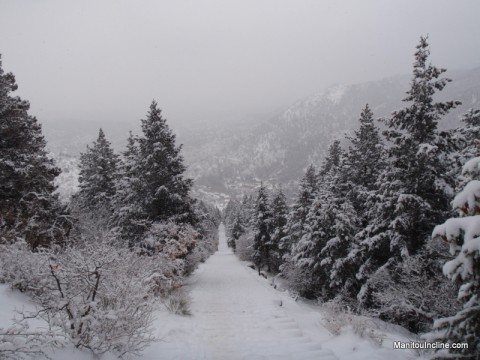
x=216, y=61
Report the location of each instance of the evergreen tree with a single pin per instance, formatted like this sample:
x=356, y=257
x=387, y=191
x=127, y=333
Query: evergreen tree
x=463, y=236
x=333, y=158
x=129, y=216
x=467, y=141
x=471, y=134
x=166, y=191
x=237, y=230
x=414, y=188
x=279, y=221
x=151, y=186
x=337, y=260
x=366, y=154
x=310, y=277
x=417, y=156
x=262, y=223
x=298, y=213
x=29, y=207
x=98, y=167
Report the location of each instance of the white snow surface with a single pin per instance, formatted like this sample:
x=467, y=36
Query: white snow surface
x=237, y=314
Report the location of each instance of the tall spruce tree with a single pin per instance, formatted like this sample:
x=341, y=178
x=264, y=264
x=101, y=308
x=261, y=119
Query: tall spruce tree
x=261, y=223
x=298, y=213
x=29, y=207
x=366, y=153
x=279, y=221
x=129, y=217
x=418, y=158
x=463, y=236
x=151, y=186
x=98, y=168
x=165, y=189
x=414, y=190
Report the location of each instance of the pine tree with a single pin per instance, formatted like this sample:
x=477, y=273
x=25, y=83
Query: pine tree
x=151, y=186
x=417, y=155
x=333, y=158
x=463, y=236
x=98, y=167
x=337, y=260
x=237, y=230
x=165, y=188
x=298, y=213
x=414, y=190
x=467, y=141
x=279, y=221
x=262, y=222
x=29, y=207
x=366, y=154
x=129, y=217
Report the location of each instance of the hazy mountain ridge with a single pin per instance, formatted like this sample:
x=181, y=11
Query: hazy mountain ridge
x=278, y=150
x=233, y=158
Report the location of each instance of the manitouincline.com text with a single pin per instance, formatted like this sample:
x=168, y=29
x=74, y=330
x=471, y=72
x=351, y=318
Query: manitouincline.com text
x=428, y=345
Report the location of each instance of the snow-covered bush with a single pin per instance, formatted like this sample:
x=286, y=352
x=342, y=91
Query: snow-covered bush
x=172, y=240
x=23, y=269
x=410, y=293
x=244, y=246
x=101, y=296
x=298, y=279
x=19, y=342
x=463, y=235
x=177, y=302
x=337, y=316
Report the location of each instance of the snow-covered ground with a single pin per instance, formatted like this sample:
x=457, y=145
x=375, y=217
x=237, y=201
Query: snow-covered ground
x=237, y=314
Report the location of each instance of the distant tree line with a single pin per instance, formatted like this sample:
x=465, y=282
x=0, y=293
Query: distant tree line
x=97, y=266
x=360, y=229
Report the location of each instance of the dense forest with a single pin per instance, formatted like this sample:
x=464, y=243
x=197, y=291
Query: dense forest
x=386, y=227
x=388, y=224
x=97, y=266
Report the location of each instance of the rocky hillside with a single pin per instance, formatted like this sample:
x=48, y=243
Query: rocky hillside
x=276, y=151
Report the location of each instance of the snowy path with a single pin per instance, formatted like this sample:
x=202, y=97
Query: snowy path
x=238, y=315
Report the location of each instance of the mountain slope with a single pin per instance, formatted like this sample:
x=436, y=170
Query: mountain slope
x=276, y=151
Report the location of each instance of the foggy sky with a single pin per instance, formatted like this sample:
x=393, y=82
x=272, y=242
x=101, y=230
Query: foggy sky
x=207, y=60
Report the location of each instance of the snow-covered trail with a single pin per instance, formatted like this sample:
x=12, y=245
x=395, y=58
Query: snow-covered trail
x=237, y=315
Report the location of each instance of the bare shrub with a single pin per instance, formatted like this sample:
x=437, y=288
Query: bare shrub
x=178, y=302
x=244, y=248
x=336, y=316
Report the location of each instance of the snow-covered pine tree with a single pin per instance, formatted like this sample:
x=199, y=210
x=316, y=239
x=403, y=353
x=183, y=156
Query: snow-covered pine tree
x=298, y=212
x=463, y=235
x=337, y=261
x=333, y=158
x=467, y=141
x=261, y=226
x=306, y=275
x=418, y=158
x=165, y=189
x=366, y=153
x=414, y=189
x=237, y=230
x=129, y=218
x=471, y=133
x=329, y=232
x=234, y=224
x=279, y=221
x=29, y=207
x=98, y=168
x=151, y=186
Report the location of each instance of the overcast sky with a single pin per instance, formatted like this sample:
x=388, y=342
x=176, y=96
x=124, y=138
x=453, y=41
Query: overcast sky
x=217, y=60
